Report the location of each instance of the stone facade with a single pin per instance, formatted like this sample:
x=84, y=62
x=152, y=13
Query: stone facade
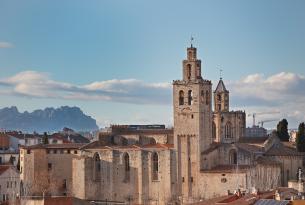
x=47, y=168
x=205, y=155
x=9, y=183
x=192, y=103
x=126, y=174
x=228, y=126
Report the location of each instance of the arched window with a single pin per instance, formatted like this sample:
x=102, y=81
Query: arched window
x=198, y=74
x=189, y=55
x=219, y=107
x=124, y=141
x=207, y=98
x=155, y=166
x=189, y=71
x=97, y=167
x=219, y=97
x=126, y=167
x=213, y=130
x=152, y=141
x=228, y=130
x=233, y=157
x=190, y=97
x=202, y=96
x=181, y=97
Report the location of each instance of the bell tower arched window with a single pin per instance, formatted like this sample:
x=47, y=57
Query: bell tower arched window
x=207, y=98
x=202, y=96
x=228, y=130
x=189, y=71
x=181, y=97
x=155, y=166
x=218, y=97
x=96, y=167
x=126, y=167
x=190, y=97
x=213, y=130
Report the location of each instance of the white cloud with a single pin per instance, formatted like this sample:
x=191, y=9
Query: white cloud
x=273, y=89
x=6, y=45
x=284, y=92
x=37, y=84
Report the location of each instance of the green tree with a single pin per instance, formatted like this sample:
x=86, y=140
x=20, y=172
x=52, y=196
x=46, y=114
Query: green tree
x=18, y=164
x=45, y=139
x=282, y=130
x=11, y=161
x=300, y=139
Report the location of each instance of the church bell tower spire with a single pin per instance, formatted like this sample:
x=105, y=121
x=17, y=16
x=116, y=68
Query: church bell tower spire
x=192, y=121
x=192, y=65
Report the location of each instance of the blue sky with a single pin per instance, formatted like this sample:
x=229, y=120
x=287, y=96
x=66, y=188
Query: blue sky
x=52, y=52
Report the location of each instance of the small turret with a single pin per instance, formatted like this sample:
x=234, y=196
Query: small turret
x=221, y=97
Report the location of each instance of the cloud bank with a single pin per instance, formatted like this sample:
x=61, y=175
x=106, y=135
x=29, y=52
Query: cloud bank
x=284, y=92
x=39, y=85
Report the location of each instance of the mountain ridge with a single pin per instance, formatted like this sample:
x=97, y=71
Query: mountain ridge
x=46, y=120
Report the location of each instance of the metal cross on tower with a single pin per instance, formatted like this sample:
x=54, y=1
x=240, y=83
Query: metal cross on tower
x=192, y=39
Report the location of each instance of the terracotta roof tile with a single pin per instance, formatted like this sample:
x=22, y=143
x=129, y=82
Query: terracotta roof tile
x=158, y=145
x=249, y=147
x=58, y=201
x=267, y=161
x=283, y=151
x=3, y=168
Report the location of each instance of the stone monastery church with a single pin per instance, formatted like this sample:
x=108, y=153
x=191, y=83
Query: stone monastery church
x=205, y=155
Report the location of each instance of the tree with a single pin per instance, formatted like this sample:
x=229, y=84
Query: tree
x=11, y=161
x=18, y=164
x=42, y=184
x=45, y=139
x=282, y=130
x=300, y=139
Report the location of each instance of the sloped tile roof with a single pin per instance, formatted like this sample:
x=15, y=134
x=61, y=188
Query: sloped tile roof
x=249, y=147
x=283, y=151
x=211, y=149
x=221, y=87
x=3, y=168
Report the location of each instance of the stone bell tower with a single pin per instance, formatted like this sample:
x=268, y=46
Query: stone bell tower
x=192, y=123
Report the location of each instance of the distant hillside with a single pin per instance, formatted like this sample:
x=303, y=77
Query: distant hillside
x=49, y=119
